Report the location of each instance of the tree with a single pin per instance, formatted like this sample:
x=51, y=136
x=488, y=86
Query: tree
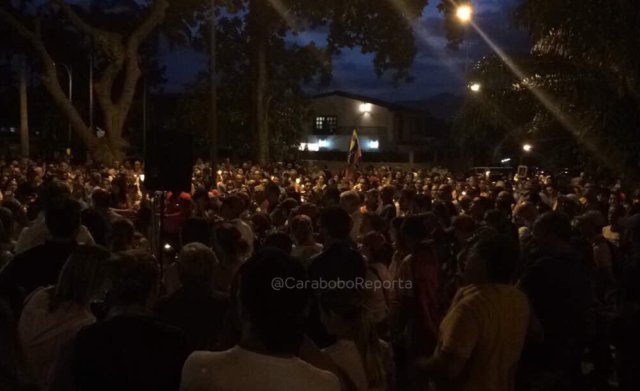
x=118, y=58
x=588, y=63
x=494, y=120
x=290, y=66
x=376, y=26
x=577, y=98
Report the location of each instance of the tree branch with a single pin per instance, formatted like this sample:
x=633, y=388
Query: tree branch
x=132, y=70
x=32, y=38
x=155, y=18
x=49, y=75
x=109, y=42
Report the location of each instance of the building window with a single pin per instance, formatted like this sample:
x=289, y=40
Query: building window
x=326, y=124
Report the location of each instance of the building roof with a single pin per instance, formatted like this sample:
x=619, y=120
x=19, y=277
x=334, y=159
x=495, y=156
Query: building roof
x=367, y=99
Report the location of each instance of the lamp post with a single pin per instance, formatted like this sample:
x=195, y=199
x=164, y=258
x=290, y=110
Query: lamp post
x=213, y=137
x=70, y=78
x=464, y=14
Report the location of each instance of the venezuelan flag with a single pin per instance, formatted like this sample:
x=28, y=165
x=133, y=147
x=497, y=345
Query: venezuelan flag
x=355, y=154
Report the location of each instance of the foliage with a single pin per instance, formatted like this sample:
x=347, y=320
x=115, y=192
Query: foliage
x=577, y=99
x=590, y=65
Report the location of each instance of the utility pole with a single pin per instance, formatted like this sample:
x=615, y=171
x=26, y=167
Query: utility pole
x=213, y=137
x=24, y=109
x=91, y=89
x=144, y=117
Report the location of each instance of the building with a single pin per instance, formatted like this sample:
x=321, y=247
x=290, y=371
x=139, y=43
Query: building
x=381, y=126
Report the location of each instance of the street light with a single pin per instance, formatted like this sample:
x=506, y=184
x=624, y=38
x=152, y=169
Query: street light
x=527, y=148
x=464, y=13
x=475, y=87
x=70, y=77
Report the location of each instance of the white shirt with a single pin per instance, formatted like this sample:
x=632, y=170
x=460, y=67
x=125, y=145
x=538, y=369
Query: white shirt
x=345, y=354
x=306, y=252
x=38, y=233
x=247, y=235
x=238, y=369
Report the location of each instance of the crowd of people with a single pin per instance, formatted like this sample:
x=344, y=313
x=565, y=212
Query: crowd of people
x=291, y=276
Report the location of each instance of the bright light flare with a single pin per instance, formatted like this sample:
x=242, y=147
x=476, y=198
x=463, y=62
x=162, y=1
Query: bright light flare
x=475, y=87
x=527, y=147
x=365, y=108
x=464, y=13
x=324, y=144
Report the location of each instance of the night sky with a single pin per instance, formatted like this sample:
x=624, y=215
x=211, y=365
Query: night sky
x=436, y=69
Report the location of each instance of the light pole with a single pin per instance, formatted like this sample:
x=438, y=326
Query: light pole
x=70, y=78
x=464, y=14
x=213, y=137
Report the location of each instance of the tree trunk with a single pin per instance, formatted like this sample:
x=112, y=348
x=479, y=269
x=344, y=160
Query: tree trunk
x=121, y=57
x=213, y=137
x=260, y=104
x=24, y=109
x=259, y=43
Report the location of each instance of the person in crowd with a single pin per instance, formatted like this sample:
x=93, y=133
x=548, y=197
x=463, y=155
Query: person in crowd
x=272, y=334
x=130, y=350
x=358, y=351
x=97, y=226
x=305, y=244
x=196, y=307
x=38, y=232
x=6, y=241
x=560, y=277
x=232, y=209
x=20, y=219
x=482, y=335
x=53, y=315
x=624, y=332
x=230, y=247
x=405, y=202
x=558, y=285
x=15, y=374
x=101, y=202
x=339, y=260
x=371, y=202
x=416, y=309
x=279, y=240
x=350, y=201
x=371, y=222
x=122, y=236
x=195, y=229
x=40, y=265
x=378, y=255
x=604, y=290
x=399, y=246
x=388, y=208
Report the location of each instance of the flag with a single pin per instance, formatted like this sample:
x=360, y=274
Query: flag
x=355, y=154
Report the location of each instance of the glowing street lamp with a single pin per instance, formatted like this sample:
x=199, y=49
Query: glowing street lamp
x=527, y=148
x=464, y=13
x=475, y=87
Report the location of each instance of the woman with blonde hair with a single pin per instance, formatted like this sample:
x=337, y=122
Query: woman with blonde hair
x=53, y=315
x=358, y=351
